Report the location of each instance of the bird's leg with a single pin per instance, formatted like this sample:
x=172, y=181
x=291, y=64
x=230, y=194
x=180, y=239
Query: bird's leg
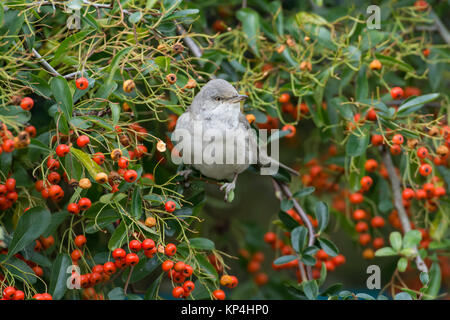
x=229, y=186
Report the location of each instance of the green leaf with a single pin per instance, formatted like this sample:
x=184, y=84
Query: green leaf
x=389, y=61
x=116, y=294
x=59, y=276
x=92, y=167
x=136, y=204
x=322, y=215
x=364, y=296
x=304, y=192
x=63, y=96
x=118, y=237
x=424, y=278
x=385, y=252
x=115, y=112
x=414, y=104
x=395, y=238
x=206, y=267
x=435, y=282
x=411, y=238
x=152, y=291
x=328, y=246
x=356, y=146
x=310, y=289
x=201, y=244
x=402, y=264
x=18, y=268
x=284, y=259
x=362, y=84
x=287, y=220
x=250, y=24
x=135, y=17
x=298, y=238
x=31, y=225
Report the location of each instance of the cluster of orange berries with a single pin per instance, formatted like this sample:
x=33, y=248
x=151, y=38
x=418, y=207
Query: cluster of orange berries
x=8, y=142
x=331, y=263
x=288, y=107
x=11, y=293
x=178, y=272
x=8, y=194
x=254, y=262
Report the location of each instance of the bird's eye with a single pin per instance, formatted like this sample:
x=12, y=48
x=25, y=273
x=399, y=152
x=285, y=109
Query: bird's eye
x=218, y=98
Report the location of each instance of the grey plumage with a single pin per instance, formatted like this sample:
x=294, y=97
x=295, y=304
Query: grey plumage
x=217, y=108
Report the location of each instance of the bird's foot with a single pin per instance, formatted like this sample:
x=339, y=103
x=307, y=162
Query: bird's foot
x=185, y=173
x=228, y=187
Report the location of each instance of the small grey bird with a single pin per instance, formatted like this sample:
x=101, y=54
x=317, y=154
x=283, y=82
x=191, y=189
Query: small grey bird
x=218, y=111
x=217, y=108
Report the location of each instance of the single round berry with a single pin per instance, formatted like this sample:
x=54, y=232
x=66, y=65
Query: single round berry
x=398, y=139
x=170, y=249
x=27, y=103
x=82, y=83
x=9, y=292
x=148, y=244
x=84, y=203
x=135, y=245
x=130, y=176
x=109, y=268
x=178, y=292
x=396, y=93
x=62, y=150
x=425, y=169
x=219, y=294
x=188, y=286
x=123, y=163
x=99, y=158
x=131, y=259
x=119, y=253
x=167, y=265
x=170, y=206
x=73, y=208
x=377, y=222
x=80, y=240
x=422, y=152
x=76, y=255
x=82, y=141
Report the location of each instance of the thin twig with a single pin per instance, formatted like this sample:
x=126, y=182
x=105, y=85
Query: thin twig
x=441, y=27
x=128, y=280
x=312, y=235
x=189, y=42
x=45, y=64
x=396, y=190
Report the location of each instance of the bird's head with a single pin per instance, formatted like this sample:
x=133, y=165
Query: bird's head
x=215, y=93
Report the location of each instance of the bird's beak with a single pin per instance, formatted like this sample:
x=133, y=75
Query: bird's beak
x=238, y=98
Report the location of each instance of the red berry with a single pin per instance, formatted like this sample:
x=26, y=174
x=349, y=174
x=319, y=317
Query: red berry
x=396, y=93
x=84, y=204
x=270, y=237
x=170, y=206
x=167, y=265
x=82, y=83
x=119, y=253
x=361, y=226
x=284, y=98
x=19, y=295
x=99, y=158
x=425, y=169
x=148, y=244
x=130, y=176
x=219, y=294
x=73, y=208
x=179, y=266
x=123, y=163
x=135, y=245
x=377, y=222
x=109, y=268
x=408, y=194
x=62, y=150
x=82, y=141
x=76, y=254
x=27, y=103
x=10, y=184
x=170, y=249
x=422, y=152
x=80, y=240
x=8, y=293
x=359, y=214
x=366, y=182
x=178, y=292
x=131, y=259
x=188, y=286
x=188, y=270
x=398, y=139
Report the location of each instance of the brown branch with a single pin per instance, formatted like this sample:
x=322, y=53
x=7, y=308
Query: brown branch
x=128, y=280
x=312, y=235
x=398, y=202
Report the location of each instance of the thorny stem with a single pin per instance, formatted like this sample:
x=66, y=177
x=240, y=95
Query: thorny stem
x=396, y=190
